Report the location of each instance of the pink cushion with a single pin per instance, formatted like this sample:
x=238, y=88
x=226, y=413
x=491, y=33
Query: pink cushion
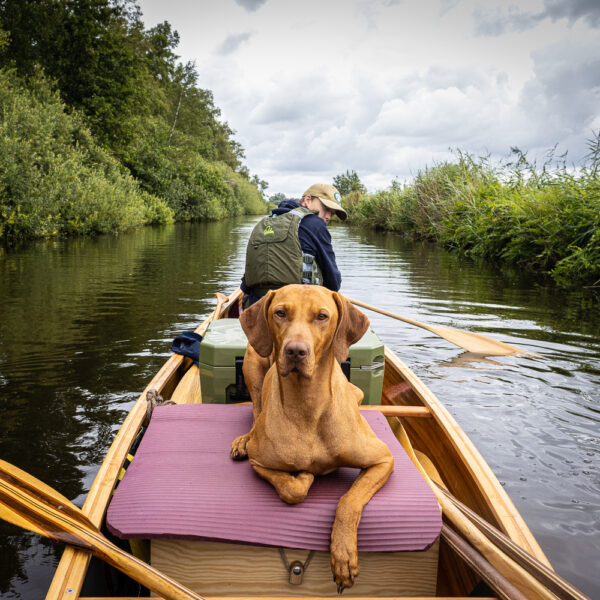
x=183, y=484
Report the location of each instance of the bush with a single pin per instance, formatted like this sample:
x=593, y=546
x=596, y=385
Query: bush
x=54, y=179
x=544, y=219
x=194, y=188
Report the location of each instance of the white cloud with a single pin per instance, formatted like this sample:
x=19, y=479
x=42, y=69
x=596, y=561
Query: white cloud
x=387, y=87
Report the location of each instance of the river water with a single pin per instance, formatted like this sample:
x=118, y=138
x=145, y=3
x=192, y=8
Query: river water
x=85, y=324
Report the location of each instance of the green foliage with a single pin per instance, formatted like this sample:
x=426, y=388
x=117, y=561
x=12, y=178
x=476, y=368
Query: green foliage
x=277, y=199
x=543, y=219
x=4, y=38
x=91, y=48
x=193, y=187
x=54, y=178
x=145, y=108
x=348, y=182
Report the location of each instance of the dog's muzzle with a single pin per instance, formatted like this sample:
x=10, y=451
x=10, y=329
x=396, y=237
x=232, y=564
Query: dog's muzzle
x=295, y=355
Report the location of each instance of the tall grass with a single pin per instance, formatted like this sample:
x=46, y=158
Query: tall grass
x=542, y=218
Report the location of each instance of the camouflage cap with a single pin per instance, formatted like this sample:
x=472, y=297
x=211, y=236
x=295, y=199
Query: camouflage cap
x=329, y=196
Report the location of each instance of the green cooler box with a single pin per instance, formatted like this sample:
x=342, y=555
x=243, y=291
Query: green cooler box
x=225, y=342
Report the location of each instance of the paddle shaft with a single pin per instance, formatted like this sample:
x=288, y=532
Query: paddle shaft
x=556, y=584
x=29, y=503
x=525, y=582
x=472, y=342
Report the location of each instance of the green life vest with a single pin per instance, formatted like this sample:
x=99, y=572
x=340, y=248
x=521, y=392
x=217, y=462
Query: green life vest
x=274, y=257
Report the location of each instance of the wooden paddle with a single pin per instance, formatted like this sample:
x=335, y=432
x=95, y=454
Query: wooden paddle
x=555, y=583
x=27, y=502
x=473, y=342
x=511, y=562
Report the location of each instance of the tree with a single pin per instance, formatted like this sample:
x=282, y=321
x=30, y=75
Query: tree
x=348, y=182
x=277, y=198
x=92, y=49
x=261, y=184
x=142, y=105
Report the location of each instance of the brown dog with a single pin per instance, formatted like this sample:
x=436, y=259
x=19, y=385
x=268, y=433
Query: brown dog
x=306, y=417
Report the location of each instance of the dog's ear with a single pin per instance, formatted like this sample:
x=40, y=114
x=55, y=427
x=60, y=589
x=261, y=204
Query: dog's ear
x=352, y=325
x=256, y=325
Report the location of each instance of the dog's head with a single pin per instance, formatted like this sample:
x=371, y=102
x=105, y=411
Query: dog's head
x=301, y=323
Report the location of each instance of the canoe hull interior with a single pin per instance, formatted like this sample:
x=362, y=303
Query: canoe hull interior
x=432, y=431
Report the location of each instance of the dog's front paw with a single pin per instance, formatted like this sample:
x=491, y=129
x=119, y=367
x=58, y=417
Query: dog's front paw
x=344, y=562
x=238, y=447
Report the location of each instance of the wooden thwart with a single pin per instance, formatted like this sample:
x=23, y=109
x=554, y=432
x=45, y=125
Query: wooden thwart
x=399, y=411
x=387, y=410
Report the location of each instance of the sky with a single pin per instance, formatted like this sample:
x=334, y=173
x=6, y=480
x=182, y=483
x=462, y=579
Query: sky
x=313, y=88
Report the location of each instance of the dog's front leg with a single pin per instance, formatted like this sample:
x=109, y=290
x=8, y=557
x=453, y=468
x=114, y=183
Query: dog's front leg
x=344, y=553
x=255, y=368
x=291, y=488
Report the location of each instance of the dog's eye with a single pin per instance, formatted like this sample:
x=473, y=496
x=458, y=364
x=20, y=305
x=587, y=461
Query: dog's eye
x=280, y=313
x=322, y=317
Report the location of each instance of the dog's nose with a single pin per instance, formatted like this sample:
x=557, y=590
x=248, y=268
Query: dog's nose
x=296, y=351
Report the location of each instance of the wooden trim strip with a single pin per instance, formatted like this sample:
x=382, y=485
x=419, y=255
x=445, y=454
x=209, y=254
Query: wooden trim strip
x=399, y=411
x=295, y=598
x=500, y=584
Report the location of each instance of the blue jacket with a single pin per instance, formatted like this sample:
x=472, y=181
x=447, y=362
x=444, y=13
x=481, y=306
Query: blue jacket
x=314, y=239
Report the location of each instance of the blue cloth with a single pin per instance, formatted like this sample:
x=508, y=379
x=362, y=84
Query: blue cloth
x=188, y=344
x=314, y=239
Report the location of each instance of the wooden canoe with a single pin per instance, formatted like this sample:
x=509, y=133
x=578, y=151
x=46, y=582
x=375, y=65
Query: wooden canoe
x=441, y=445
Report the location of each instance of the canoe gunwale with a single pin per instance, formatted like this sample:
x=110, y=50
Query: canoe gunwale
x=505, y=515
x=71, y=570
x=70, y=573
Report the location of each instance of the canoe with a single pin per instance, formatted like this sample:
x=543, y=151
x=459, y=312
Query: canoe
x=441, y=448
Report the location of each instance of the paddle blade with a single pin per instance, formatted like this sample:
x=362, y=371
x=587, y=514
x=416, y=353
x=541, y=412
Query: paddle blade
x=31, y=504
x=474, y=342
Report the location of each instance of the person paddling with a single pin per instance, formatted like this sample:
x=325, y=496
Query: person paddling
x=293, y=245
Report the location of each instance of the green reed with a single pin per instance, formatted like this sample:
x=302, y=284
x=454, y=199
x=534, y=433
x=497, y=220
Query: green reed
x=544, y=218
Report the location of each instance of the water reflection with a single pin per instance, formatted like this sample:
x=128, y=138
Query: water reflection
x=86, y=323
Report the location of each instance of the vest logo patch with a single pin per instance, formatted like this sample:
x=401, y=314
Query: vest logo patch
x=268, y=230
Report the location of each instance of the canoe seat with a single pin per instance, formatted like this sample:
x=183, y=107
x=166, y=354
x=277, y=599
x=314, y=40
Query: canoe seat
x=183, y=491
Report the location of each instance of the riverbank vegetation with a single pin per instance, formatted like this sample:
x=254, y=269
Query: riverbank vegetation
x=102, y=129
x=542, y=218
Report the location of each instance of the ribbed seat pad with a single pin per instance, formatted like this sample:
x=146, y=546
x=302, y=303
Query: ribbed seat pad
x=182, y=483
